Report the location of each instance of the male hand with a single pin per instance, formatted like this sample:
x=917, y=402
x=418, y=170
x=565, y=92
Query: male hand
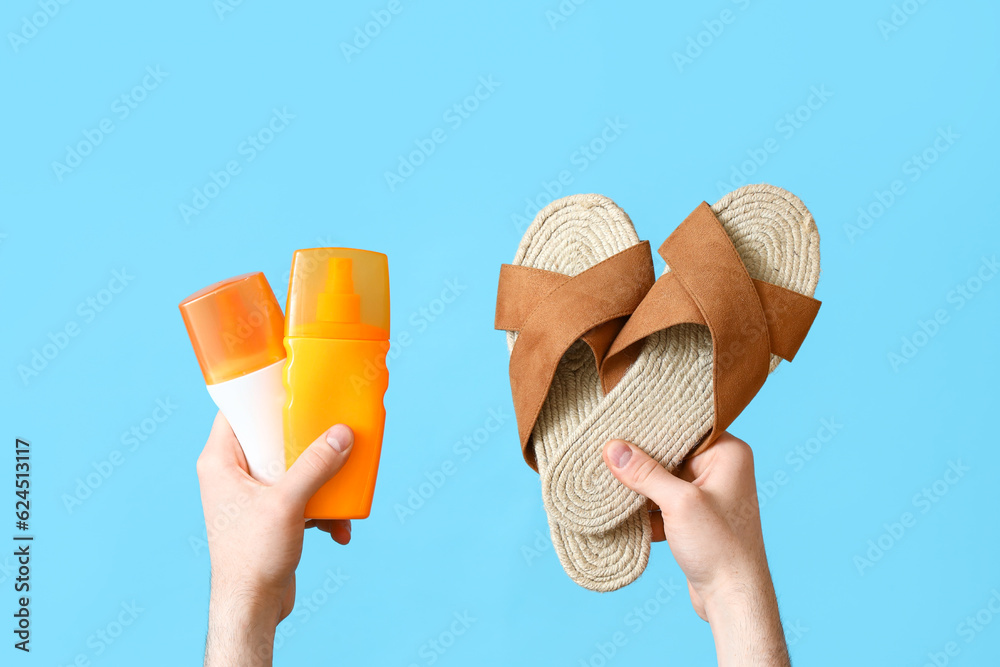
x=711, y=520
x=255, y=539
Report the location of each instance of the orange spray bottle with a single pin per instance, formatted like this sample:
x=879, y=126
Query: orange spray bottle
x=337, y=337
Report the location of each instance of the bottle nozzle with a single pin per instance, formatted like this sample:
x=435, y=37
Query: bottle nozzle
x=338, y=302
x=338, y=293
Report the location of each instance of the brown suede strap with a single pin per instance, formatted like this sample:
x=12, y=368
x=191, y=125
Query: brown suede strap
x=522, y=287
x=788, y=314
x=551, y=311
x=709, y=285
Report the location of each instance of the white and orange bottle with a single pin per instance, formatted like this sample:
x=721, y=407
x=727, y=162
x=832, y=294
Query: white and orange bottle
x=236, y=329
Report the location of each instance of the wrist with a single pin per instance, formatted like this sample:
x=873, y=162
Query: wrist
x=244, y=607
x=241, y=626
x=742, y=611
x=247, y=589
x=739, y=586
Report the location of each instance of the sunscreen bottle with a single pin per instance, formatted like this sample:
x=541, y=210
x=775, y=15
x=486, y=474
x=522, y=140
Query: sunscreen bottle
x=337, y=337
x=236, y=330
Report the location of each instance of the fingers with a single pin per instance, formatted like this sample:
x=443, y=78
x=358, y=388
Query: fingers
x=341, y=534
x=644, y=474
x=317, y=464
x=339, y=529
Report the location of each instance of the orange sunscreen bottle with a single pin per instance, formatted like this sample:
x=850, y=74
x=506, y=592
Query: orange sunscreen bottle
x=337, y=337
x=235, y=328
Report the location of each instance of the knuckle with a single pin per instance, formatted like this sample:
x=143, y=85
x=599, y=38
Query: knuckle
x=743, y=454
x=319, y=459
x=742, y=448
x=644, y=472
x=739, y=447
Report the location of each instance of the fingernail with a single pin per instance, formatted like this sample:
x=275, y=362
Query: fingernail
x=339, y=437
x=348, y=526
x=619, y=453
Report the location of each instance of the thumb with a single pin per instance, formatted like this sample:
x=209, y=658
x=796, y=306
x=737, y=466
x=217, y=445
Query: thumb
x=643, y=474
x=317, y=464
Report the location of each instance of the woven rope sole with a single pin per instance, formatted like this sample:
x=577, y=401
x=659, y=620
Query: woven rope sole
x=569, y=236
x=664, y=403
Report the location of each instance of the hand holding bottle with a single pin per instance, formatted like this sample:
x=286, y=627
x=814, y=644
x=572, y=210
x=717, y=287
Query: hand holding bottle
x=255, y=539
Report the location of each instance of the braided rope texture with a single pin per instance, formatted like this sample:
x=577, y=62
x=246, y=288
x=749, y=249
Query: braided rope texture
x=664, y=404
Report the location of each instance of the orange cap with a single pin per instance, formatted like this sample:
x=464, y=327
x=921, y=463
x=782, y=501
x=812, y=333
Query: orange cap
x=235, y=327
x=338, y=293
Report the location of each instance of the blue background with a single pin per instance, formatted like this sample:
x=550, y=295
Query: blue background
x=474, y=545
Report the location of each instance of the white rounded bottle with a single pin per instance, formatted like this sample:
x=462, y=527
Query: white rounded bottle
x=236, y=328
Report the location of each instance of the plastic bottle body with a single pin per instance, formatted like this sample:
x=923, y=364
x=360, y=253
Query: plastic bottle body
x=252, y=404
x=337, y=381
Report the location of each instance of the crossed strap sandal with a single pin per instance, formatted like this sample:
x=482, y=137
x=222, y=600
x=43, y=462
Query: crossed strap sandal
x=736, y=328
x=579, y=271
x=735, y=299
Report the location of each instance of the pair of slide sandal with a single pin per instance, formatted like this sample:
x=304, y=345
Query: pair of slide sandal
x=601, y=349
